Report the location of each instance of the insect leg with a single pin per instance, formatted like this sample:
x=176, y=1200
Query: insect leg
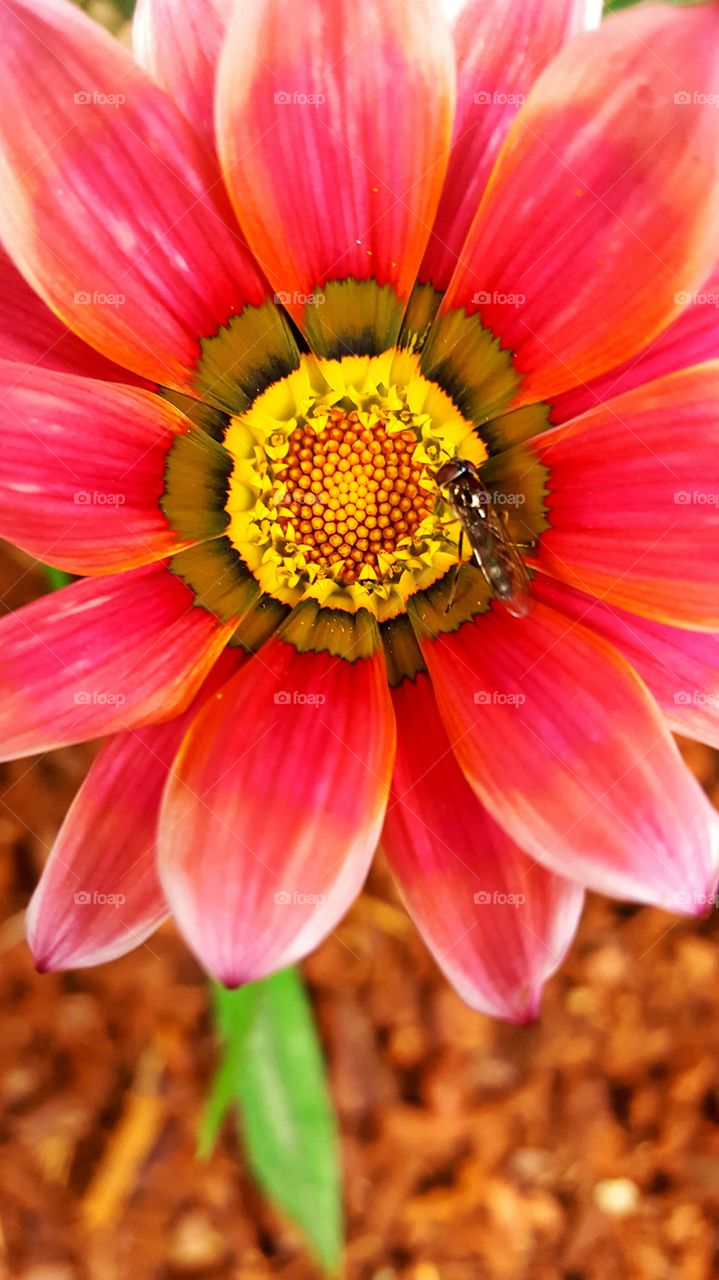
x=455, y=571
x=521, y=546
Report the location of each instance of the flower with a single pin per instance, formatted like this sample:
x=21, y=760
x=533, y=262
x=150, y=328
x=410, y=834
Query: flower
x=271, y=334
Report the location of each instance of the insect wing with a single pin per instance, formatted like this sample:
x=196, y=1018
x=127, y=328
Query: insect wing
x=519, y=602
x=512, y=587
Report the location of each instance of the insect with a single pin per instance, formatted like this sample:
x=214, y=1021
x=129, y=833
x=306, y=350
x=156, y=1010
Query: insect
x=494, y=552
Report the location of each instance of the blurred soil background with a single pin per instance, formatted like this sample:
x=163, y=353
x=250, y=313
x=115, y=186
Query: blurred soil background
x=583, y=1147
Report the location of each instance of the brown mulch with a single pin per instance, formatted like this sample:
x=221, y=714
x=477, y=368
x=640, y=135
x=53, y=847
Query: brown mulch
x=584, y=1147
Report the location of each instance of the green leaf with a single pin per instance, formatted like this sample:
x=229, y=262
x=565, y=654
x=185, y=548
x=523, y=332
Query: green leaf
x=56, y=578
x=611, y=6
x=233, y=1013
x=273, y=1069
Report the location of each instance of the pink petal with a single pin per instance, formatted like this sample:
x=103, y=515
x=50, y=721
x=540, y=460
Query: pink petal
x=274, y=808
x=31, y=335
x=680, y=668
x=633, y=500
x=570, y=754
x=179, y=45
x=692, y=339
x=85, y=502
x=497, y=923
x=110, y=207
x=501, y=48
x=99, y=895
x=604, y=201
x=333, y=130
x=100, y=656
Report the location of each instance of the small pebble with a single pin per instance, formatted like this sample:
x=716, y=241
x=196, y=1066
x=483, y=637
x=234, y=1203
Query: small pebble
x=617, y=1197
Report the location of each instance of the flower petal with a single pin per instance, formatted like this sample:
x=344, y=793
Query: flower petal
x=84, y=502
x=334, y=131
x=692, y=339
x=563, y=744
x=179, y=45
x=160, y=264
x=633, y=506
x=603, y=204
x=274, y=808
x=99, y=895
x=501, y=48
x=497, y=924
x=680, y=668
x=31, y=334
x=100, y=656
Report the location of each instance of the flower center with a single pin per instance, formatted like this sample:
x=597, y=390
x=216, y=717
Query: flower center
x=333, y=494
x=316, y=483
x=352, y=492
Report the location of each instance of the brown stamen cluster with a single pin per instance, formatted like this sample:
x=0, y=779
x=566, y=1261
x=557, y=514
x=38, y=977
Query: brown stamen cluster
x=353, y=491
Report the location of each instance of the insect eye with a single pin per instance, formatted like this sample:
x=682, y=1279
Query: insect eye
x=447, y=473
x=454, y=475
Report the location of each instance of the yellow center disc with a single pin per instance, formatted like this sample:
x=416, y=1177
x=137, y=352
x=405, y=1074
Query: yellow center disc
x=333, y=494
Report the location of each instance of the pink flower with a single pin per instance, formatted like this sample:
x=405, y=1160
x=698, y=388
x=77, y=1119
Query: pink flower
x=397, y=249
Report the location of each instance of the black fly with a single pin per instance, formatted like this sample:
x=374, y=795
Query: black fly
x=494, y=552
